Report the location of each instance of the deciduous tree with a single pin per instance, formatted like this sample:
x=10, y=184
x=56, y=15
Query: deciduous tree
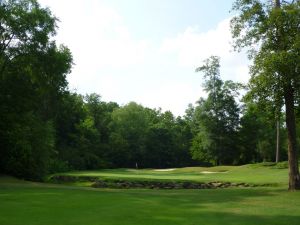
x=33, y=73
x=271, y=30
x=217, y=117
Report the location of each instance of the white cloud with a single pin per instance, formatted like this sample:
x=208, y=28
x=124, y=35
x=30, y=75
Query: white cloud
x=97, y=38
x=112, y=62
x=174, y=96
x=193, y=46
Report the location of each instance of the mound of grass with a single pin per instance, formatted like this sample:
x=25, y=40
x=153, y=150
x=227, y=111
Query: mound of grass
x=274, y=165
x=249, y=174
x=282, y=165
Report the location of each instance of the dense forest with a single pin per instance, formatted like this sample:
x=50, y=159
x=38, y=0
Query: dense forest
x=47, y=128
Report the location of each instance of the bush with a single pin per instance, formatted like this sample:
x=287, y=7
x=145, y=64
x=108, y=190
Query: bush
x=58, y=166
x=31, y=142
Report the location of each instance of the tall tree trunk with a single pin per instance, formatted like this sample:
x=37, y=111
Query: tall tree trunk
x=294, y=179
x=277, y=139
x=277, y=5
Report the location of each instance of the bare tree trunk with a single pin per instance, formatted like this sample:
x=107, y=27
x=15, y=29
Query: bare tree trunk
x=277, y=139
x=294, y=179
x=277, y=5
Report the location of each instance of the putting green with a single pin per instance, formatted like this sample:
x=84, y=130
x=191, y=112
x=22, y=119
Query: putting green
x=253, y=174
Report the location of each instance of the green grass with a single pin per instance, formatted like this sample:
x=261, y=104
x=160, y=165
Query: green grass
x=25, y=203
x=29, y=203
x=253, y=174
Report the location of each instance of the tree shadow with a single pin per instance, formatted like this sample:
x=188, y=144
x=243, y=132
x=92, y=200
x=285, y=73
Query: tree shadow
x=216, y=218
x=237, y=206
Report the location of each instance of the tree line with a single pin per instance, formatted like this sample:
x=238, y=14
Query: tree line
x=46, y=128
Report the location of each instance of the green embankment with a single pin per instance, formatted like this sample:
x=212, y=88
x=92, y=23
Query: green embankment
x=46, y=204
x=257, y=174
x=29, y=203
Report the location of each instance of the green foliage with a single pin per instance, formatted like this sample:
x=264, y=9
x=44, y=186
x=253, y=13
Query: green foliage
x=57, y=166
x=148, y=138
x=129, y=124
x=257, y=134
x=46, y=128
x=273, y=37
x=32, y=79
x=28, y=156
x=282, y=165
x=272, y=165
x=201, y=146
x=217, y=117
x=83, y=131
x=271, y=31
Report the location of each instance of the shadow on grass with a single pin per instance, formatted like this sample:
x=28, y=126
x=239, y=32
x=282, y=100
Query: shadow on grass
x=206, y=195
x=215, y=218
x=44, y=205
x=230, y=206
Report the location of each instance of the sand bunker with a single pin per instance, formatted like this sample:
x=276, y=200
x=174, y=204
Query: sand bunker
x=210, y=172
x=163, y=170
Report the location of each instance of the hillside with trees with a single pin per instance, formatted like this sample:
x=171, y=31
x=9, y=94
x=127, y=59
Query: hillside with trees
x=47, y=128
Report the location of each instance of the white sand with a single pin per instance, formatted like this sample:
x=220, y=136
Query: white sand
x=164, y=170
x=209, y=172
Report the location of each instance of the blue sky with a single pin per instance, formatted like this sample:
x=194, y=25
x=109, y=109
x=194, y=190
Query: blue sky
x=146, y=50
x=160, y=18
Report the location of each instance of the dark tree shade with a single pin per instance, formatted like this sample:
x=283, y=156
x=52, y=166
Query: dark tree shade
x=32, y=79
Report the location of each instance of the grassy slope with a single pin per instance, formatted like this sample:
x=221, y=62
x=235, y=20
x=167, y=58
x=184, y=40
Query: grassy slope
x=248, y=174
x=43, y=204
x=46, y=204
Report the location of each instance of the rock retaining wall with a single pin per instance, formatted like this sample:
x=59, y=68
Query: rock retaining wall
x=147, y=184
x=164, y=184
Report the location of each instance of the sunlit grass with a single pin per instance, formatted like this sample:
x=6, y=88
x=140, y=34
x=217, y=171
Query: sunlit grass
x=236, y=174
x=26, y=203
